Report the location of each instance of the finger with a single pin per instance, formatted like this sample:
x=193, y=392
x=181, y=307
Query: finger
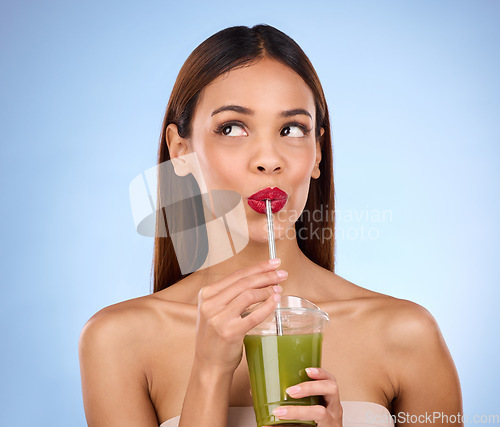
x=248, y=298
x=210, y=290
x=332, y=398
x=319, y=374
x=256, y=281
x=232, y=327
x=313, y=388
x=315, y=374
x=316, y=413
x=218, y=302
x=257, y=316
x=228, y=318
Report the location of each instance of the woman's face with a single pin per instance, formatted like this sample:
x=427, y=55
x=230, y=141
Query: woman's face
x=253, y=128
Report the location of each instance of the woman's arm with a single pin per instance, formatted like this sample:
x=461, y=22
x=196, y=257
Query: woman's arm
x=207, y=398
x=114, y=386
x=220, y=330
x=425, y=378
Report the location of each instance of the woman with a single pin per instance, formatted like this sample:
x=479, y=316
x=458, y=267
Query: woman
x=249, y=104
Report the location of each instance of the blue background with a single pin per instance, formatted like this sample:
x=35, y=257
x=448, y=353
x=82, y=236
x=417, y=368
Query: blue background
x=413, y=91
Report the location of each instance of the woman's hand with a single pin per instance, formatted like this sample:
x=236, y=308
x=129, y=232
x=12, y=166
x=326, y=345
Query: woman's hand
x=325, y=385
x=220, y=328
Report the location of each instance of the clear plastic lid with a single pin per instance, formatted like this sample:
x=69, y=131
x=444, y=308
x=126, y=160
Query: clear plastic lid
x=298, y=316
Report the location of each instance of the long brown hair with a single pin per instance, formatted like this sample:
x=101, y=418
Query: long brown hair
x=220, y=53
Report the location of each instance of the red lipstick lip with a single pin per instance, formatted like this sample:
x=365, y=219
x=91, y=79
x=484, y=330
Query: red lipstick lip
x=277, y=196
x=275, y=193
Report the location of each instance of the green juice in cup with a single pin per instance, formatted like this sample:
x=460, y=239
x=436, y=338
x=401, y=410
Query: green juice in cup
x=276, y=362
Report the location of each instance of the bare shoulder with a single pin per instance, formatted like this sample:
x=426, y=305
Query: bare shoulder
x=400, y=323
x=114, y=351
x=413, y=346
x=141, y=324
x=132, y=321
x=410, y=325
x=120, y=326
x=404, y=342
x=400, y=316
x=126, y=315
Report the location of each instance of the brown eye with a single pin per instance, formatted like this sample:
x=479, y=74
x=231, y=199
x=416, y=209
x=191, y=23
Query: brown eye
x=230, y=129
x=293, y=131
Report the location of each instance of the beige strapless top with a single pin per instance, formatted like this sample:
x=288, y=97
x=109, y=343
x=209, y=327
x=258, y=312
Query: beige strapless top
x=355, y=413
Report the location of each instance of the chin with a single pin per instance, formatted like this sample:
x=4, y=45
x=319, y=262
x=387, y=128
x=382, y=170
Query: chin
x=257, y=230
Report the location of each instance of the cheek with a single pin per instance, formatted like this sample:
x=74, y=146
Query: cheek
x=301, y=167
x=301, y=179
x=218, y=169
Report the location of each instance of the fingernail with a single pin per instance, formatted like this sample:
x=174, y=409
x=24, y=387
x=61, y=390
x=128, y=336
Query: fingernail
x=282, y=274
x=279, y=411
x=293, y=390
x=277, y=289
x=275, y=261
x=276, y=297
x=311, y=371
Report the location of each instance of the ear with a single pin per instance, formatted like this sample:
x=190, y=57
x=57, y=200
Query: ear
x=177, y=147
x=316, y=172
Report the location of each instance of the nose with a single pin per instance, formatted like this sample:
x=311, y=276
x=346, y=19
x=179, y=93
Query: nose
x=267, y=160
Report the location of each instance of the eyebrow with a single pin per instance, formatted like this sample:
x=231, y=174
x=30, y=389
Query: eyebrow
x=247, y=111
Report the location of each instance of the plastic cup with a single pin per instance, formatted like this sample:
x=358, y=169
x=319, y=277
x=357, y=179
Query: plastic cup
x=276, y=362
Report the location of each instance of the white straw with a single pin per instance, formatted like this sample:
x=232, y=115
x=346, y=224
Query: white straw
x=272, y=255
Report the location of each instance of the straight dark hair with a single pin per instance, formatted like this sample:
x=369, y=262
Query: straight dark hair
x=228, y=49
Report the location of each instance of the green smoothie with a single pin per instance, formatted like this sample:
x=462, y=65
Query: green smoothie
x=283, y=359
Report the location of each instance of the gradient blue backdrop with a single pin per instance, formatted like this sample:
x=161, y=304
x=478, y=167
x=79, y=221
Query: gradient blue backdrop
x=414, y=95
